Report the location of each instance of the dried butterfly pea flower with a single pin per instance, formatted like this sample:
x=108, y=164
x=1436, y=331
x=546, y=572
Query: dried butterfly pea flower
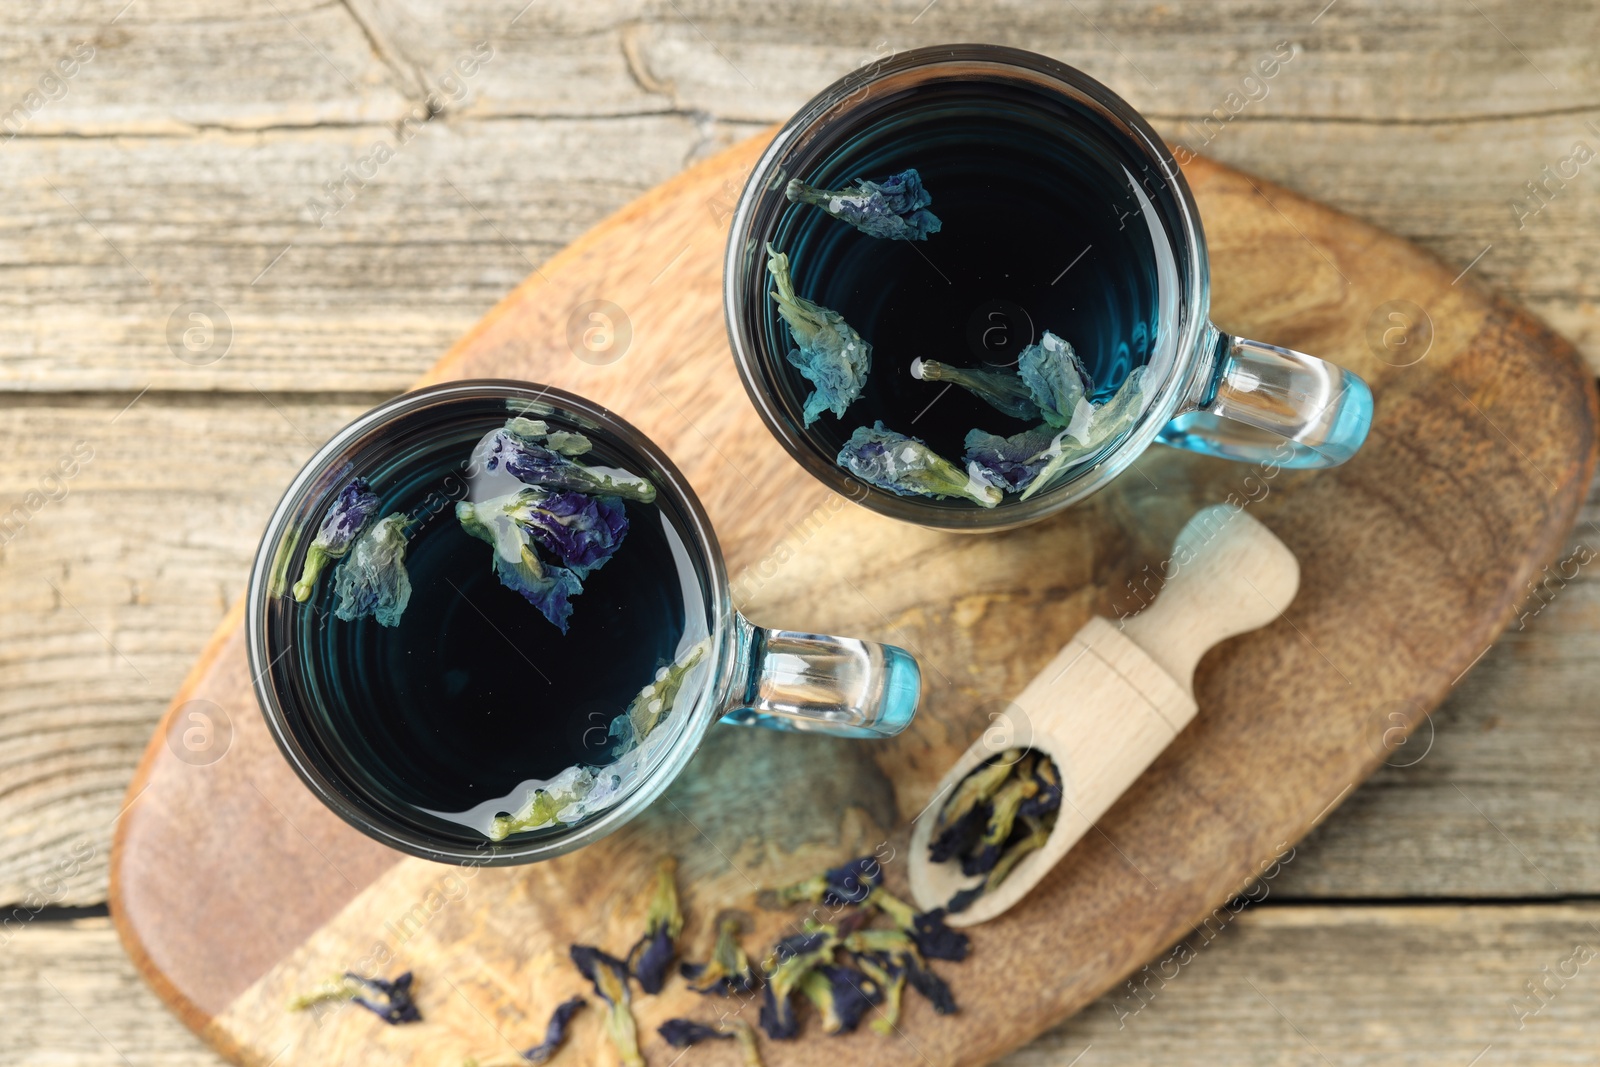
x=890, y=975
x=974, y=791
x=517, y=563
x=653, y=954
x=656, y=700
x=1056, y=379
x=555, y=1032
x=842, y=994
x=1048, y=798
x=373, y=580
x=390, y=1001
x=609, y=976
x=1038, y=833
x=796, y=956
x=998, y=830
x=729, y=971
x=884, y=946
x=684, y=1033
x=1105, y=422
x=895, y=208
x=907, y=467
x=346, y=517
x=830, y=355
x=583, y=532
x=1011, y=462
x=1002, y=390
x=533, y=461
x=548, y=806
x=537, y=431
x=849, y=883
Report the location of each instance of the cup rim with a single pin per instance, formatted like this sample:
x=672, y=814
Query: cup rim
x=694, y=723
x=1189, y=362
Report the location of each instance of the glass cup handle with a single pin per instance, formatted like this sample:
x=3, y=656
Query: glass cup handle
x=1275, y=405
x=787, y=680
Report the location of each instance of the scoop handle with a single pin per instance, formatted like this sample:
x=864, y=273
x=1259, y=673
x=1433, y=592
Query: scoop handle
x=1227, y=574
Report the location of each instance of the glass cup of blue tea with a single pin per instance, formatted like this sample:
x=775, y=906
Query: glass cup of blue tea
x=489, y=623
x=972, y=280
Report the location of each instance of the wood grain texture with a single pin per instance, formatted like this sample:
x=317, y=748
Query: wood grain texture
x=1395, y=974
x=1284, y=733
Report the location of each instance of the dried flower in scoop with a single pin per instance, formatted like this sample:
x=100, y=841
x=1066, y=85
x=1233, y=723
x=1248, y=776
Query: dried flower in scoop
x=347, y=516
x=373, y=580
x=655, y=701
x=534, y=459
x=796, y=956
x=555, y=1033
x=1002, y=390
x=390, y=1001
x=907, y=467
x=652, y=955
x=831, y=355
x=1089, y=432
x=729, y=971
x=895, y=208
x=998, y=830
x=842, y=994
x=609, y=977
x=682, y=1033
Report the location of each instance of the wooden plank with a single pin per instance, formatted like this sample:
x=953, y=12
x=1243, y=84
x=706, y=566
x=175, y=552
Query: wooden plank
x=1413, y=984
x=578, y=111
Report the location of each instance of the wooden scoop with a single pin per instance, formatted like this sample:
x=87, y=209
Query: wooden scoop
x=1115, y=696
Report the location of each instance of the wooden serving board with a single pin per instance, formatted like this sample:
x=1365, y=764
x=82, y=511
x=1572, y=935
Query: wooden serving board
x=232, y=887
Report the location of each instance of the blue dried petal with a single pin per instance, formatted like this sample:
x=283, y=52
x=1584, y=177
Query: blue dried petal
x=390, y=1001
x=1002, y=390
x=609, y=976
x=535, y=463
x=850, y=883
x=964, y=899
x=1088, y=432
x=958, y=836
x=843, y=995
x=894, y=208
x=936, y=940
x=802, y=944
x=682, y=1033
x=729, y=971
x=346, y=517
x=550, y=592
x=830, y=355
x=583, y=532
x=1056, y=378
x=1011, y=462
x=653, y=954
x=930, y=985
x=907, y=467
x=555, y=1033
x=373, y=580
x=777, y=1016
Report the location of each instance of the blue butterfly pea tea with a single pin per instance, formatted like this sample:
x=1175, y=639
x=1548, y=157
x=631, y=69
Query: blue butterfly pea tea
x=495, y=621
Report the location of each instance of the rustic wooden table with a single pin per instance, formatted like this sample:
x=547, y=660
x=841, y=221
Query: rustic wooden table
x=342, y=188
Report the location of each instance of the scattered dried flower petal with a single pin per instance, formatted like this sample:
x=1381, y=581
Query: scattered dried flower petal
x=555, y=1032
x=346, y=517
x=907, y=467
x=796, y=956
x=390, y=1001
x=373, y=580
x=930, y=985
x=729, y=971
x=842, y=994
x=895, y=208
x=650, y=958
x=609, y=976
x=830, y=355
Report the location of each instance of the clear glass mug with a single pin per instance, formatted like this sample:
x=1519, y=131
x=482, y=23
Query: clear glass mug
x=781, y=679
x=1213, y=393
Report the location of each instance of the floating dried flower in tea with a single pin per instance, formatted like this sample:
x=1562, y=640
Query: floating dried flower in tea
x=1056, y=378
x=729, y=971
x=830, y=354
x=347, y=516
x=524, y=450
x=907, y=467
x=372, y=580
x=555, y=1032
x=1002, y=390
x=1104, y=423
x=656, y=700
x=652, y=955
x=895, y=208
x=1012, y=463
x=390, y=1001
x=609, y=977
